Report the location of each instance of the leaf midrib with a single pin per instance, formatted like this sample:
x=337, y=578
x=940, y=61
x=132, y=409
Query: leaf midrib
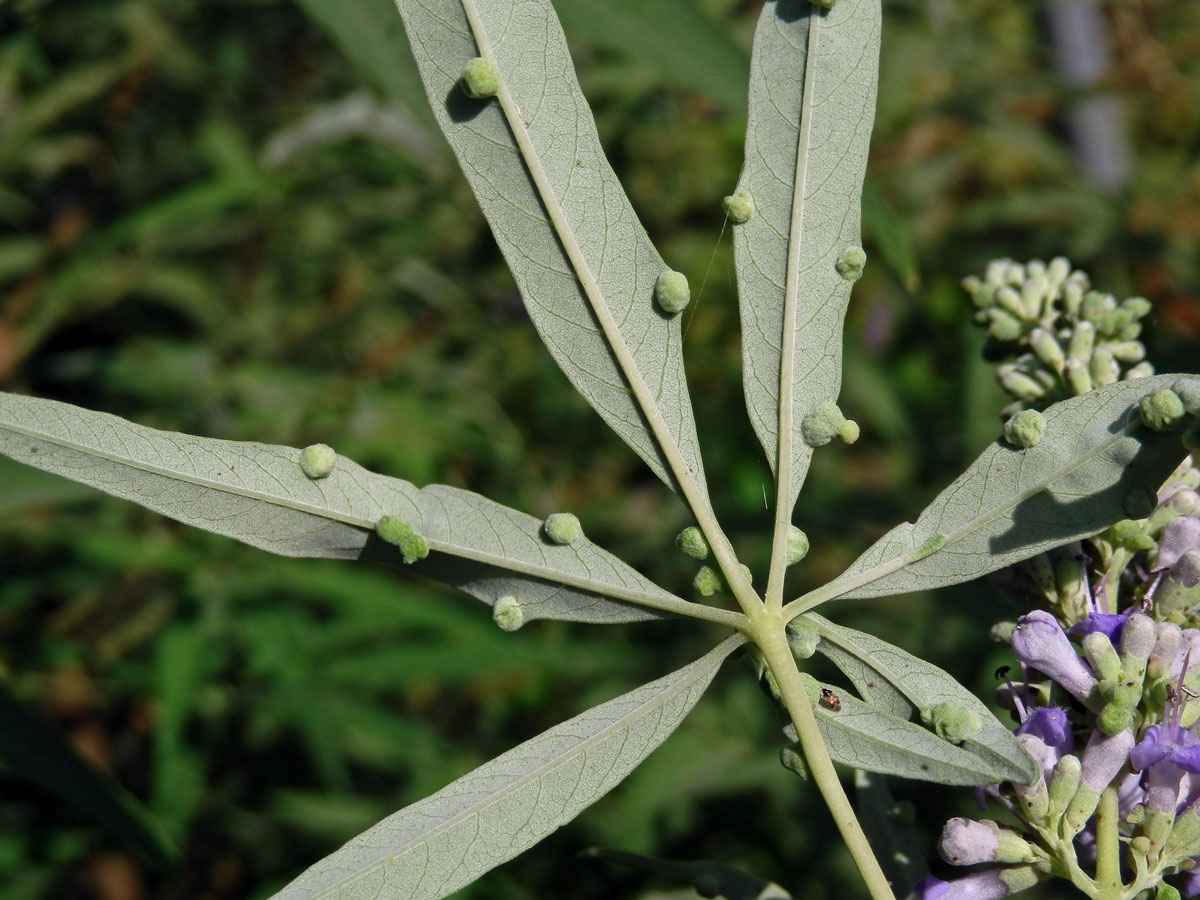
x=660, y=600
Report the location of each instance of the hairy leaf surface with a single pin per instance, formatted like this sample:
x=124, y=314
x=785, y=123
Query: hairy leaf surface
x=437, y=845
x=582, y=260
x=887, y=677
x=812, y=103
x=1011, y=504
x=257, y=494
x=864, y=737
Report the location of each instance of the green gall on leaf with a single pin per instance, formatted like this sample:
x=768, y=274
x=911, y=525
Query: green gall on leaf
x=1189, y=394
x=792, y=759
x=812, y=688
x=479, y=79
x=508, y=613
x=797, y=545
x=954, y=723
x=707, y=581
x=852, y=261
x=317, y=460
x=825, y=423
x=1162, y=410
x=671, y=292
x=1026, y=429
x=398, y=532
x=1139, y=503
x=802, y=638
x=562, y=528
x=739, y=208
x=691, y=541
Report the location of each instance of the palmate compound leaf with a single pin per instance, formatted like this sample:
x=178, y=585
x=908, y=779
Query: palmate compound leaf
x=437, y=845
x=812, y=103
x=258, y=494
x=584, y=264
x=899, y=684
x=1011, y=504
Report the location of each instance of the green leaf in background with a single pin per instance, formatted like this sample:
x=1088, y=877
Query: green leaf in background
x=372, y=36
x=683, y=44
x=437, y=845
x=708, y=877
x=1011, y=504
x=258, y=494
x=806, y=152
x=584, y=265
x=34, y=751
x=922, y=686
x=890, y=235
x=21, y=488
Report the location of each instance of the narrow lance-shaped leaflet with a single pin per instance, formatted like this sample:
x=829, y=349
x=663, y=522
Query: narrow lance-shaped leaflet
x=812, y=105
x=437, y=845
x=259, y=494
x=1095, y=460
x=584, y=264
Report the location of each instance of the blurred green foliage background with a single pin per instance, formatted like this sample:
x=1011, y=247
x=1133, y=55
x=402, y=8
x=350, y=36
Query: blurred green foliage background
x=233, y=218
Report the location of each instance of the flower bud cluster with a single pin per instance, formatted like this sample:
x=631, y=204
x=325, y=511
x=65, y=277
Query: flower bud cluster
x=1061, y=337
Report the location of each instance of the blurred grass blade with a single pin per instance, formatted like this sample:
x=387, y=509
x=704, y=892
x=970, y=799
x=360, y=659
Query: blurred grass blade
x=584, y=264
x=1011, y=504
x=924, y=687
x=709, y=877
x=34, y=751
x=371, y=36
x=258, y=494
x=812, y=102
x=890, y=234
x=680, y=41
x=437, y=845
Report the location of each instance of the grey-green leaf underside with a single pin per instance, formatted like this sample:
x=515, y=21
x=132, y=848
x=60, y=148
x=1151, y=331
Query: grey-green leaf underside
x=437, y=845
x=1011, y=504
x=806, y=153
x=257, y=494
x=582, y=260
x=898, y=683
x=864, y=737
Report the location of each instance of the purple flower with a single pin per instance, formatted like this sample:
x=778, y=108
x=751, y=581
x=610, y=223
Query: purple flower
x=1051, y=725
x=1191, y=884
x=1108, y=624
x=990, y=884
x=1171, y=742
x=1039, y=641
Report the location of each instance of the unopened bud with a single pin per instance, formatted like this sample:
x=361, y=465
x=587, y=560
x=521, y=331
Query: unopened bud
x=1063, y=784
x=1047, y=348
x=1167, y=641
x=1103, y=367
x=1022, y=386
x=1102, y=655
x=1141, y=370
x=1128, y=351
x=1078, y=377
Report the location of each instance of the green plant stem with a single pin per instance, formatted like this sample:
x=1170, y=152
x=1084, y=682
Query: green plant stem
x=767, y=630
x=1108, y=845
x=689, y=487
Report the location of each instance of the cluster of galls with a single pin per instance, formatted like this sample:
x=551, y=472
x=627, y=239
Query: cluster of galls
x=1061, y=337
x=1124, y=684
